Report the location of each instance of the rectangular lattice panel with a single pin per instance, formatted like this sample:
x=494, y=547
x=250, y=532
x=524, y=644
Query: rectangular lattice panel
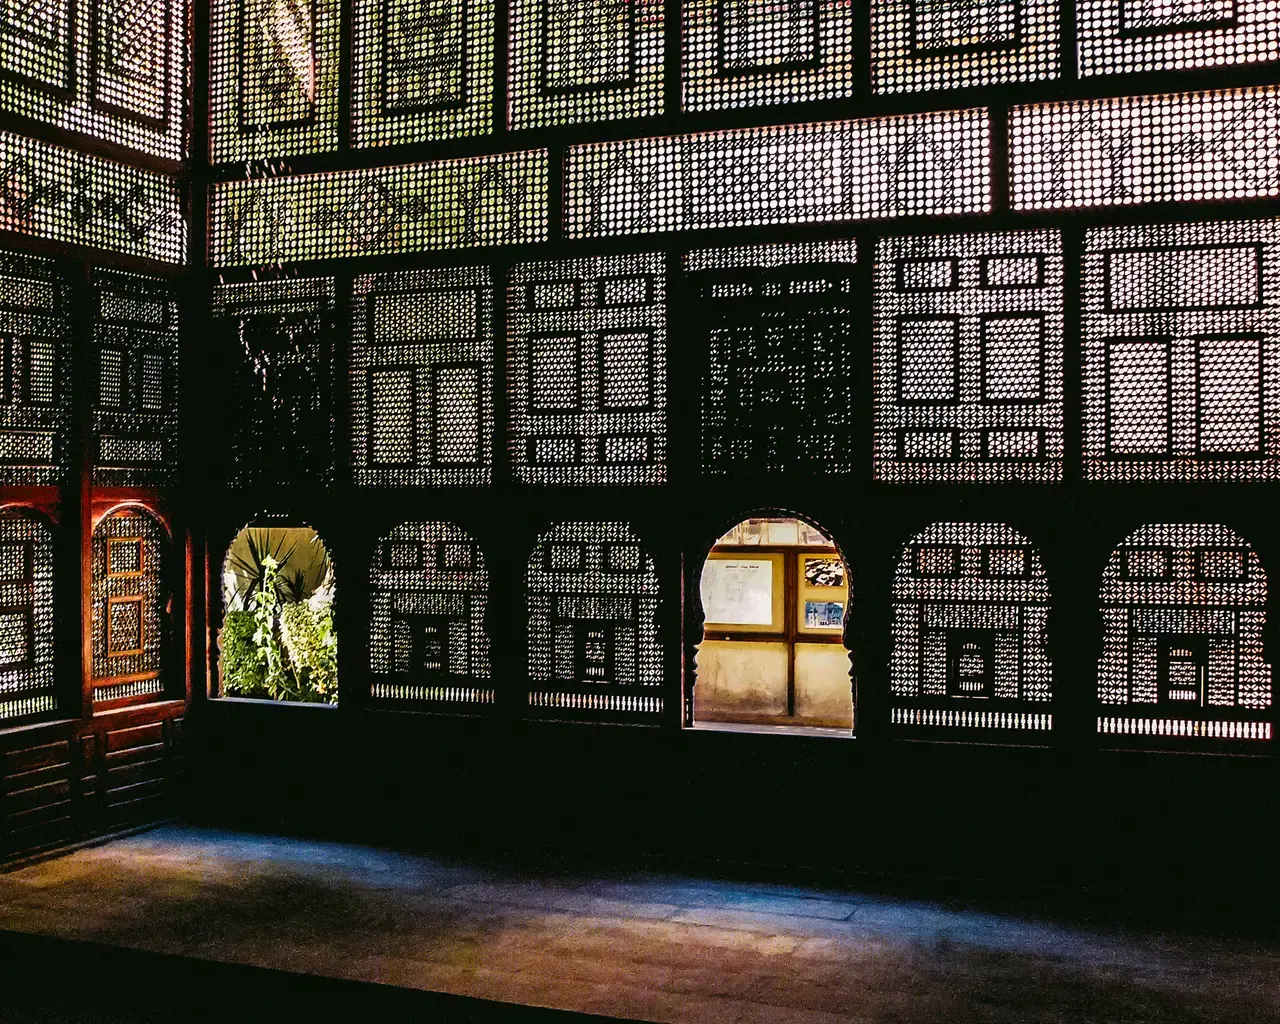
x=273, y=78
x=1184, y=614
x=27, y=684
x=748, y=53
x=422, y=378
x=587, y=370
x=279, y=334
x=427, y=640
x=778, y=382
x=422, y=69
x=51, y=192
x=968, y=358
x=584, y=60
x=131, y=630
x=1118, y=36
x=113, y=69
x=1180, y=325
x=446, y=204
x=1145, y=149
x=793, y=174
x=135, y=400
x=592, y=592
x=919, y=45
x=34, y=362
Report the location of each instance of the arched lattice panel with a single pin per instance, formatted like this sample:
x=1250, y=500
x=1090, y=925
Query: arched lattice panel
x=135, y=402
x=919, y=45
x=1160, y=35
x=422, y=378
x=584, y=60
x=587, y=370
x=27, y=684
x=281, y=334
x=740, y=53
x=968, y=358
x=273, y=81
x=114, y=69
x=1180, y=325
x=593, y=635
x=1183, y=610
x=970, y=605
x=778, y=389
x=427, y=640
x=34, y=360
x=131, y=627
x=421, y=69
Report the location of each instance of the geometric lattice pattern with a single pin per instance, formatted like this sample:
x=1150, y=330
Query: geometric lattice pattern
x=273, y=80
x=1158, y=35
x=281, y=426
x=1145, y=149
x=778, y=386
x=918, y=45
x=135, y=404
x=593, y=636
x=442, y=204
x=1180, y=325
x=1183, y=608
x=113, y=69
x=34, y=364
x=27, y=684
x=55, y=193
x=422, y=378
x=968, y=358
x=970, y=604
x=584, y=60
x=789, y=174
x=741, y=53
x=131, y=629
x=427, y=640
x=586, y=370
x=423, y=69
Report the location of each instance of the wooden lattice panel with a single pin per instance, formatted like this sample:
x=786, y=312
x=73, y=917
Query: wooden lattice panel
x=970, y=606
x=113, y=69
x=586, y=370
x=1183, y=610
x=34, y=357
x=919, y=45
x=422, y=378
x=427, y=642
x=27, y=683
x=1180, y=325
x=778, y=385
x=131, y=626
x=968, y=358
x=592, y=593
x=281, y=334
x=135, y=401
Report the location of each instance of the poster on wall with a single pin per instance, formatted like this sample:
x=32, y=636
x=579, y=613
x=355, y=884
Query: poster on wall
x=823, y=572
x=823, y=614
x=738, y=591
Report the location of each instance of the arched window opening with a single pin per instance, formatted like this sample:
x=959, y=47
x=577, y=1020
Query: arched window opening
x=775, y=593
x=970, y=605
x=278, y=639
x=427, y=641
x=593, y=623
x=27, y=684
x=132, y=631
x=1183, y=608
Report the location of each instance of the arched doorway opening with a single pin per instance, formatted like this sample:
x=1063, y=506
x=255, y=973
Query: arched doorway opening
x=775, y=594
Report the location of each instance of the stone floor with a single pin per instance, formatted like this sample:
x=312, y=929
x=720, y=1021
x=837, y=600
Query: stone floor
x=631, y=944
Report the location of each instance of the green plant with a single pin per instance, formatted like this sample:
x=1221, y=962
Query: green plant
x=306, y=627
x=242, y=664
x=250, y=571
